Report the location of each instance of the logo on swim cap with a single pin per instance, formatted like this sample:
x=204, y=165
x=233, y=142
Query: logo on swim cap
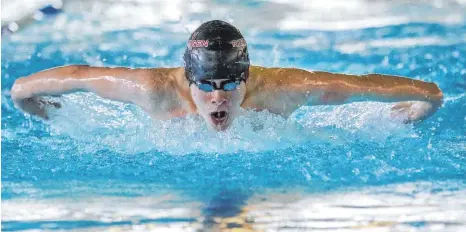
x=238, y=43
x=198, y=43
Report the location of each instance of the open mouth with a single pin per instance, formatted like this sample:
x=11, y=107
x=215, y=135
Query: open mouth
x=219, y=117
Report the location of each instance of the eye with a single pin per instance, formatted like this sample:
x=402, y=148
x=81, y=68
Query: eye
x=206, y=87
x=230, y=86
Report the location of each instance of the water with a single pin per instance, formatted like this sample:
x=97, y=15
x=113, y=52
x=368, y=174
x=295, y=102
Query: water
x=101, y=165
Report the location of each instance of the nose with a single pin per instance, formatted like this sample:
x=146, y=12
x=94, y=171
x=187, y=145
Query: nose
x=219, y=98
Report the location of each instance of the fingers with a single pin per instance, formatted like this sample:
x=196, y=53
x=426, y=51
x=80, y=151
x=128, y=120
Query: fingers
x=56, y=105
x=411, y=112
x=400, y=114
x=51, y=103
x=43, y=115
x=38, y=106
x=402, y=105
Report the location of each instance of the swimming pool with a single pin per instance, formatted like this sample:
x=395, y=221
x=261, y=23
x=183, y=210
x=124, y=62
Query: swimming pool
x=100, y=165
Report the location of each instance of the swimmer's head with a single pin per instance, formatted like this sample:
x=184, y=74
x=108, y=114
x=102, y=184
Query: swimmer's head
x=216, y=63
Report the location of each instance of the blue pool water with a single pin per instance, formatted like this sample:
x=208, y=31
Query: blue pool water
x=101, y=165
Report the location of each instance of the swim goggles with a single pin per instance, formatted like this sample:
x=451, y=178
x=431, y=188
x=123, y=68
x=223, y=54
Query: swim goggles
x=209, y=86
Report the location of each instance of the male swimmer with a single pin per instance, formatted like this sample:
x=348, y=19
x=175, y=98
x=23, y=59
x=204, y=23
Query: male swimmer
x=217, y=80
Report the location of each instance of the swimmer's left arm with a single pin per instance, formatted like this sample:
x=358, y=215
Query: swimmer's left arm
x=288, y=88
x=417, y=100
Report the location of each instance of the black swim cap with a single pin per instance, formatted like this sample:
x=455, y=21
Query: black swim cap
x=216, y=50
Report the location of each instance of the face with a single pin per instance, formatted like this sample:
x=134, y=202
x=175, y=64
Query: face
x=218, y=108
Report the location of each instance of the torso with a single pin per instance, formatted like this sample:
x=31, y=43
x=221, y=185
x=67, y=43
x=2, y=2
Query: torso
x=260, y=94
x=182, y=104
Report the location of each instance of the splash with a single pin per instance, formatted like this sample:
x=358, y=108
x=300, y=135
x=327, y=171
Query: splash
x=105, y=124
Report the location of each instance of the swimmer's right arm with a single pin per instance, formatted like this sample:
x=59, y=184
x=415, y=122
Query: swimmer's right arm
x=120, y=84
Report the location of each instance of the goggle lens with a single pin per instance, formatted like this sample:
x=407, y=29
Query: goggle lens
x=208, y=86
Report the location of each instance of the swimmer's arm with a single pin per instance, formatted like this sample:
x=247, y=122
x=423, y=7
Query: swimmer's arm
x=335, y=88
x=120, y=84
x=286, y=89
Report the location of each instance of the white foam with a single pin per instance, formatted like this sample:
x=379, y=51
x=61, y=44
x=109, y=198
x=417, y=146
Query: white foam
x=125, y=128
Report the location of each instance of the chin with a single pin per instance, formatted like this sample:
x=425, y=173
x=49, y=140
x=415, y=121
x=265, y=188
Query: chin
x=219, y=127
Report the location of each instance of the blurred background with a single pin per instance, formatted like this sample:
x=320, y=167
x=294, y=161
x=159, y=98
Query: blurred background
x=183, y=15
x=100, y=165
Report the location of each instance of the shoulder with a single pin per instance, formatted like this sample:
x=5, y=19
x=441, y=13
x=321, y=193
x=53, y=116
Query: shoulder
x=259, y=72
x=169, y=84
x=165, y=92
x=273, y=76
x=160, y=78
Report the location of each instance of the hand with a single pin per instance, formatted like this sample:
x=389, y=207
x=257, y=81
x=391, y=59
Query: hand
x=38, y=106
x=413, y=111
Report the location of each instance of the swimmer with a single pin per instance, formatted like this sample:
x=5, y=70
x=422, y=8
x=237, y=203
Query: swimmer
x=217, y=80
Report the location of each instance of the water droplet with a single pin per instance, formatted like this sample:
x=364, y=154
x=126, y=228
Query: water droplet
x=13, y=27
x=38, y=15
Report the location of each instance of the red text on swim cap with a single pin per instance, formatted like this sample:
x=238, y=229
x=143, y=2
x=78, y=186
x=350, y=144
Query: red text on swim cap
x=198, y=43
x=238, y=43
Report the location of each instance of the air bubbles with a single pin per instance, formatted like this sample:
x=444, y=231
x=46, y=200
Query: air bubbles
x=349, y=155
x=429, y=144
x=38, y=15
x=13, y=26
x=386, y=61
x=443, y=68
